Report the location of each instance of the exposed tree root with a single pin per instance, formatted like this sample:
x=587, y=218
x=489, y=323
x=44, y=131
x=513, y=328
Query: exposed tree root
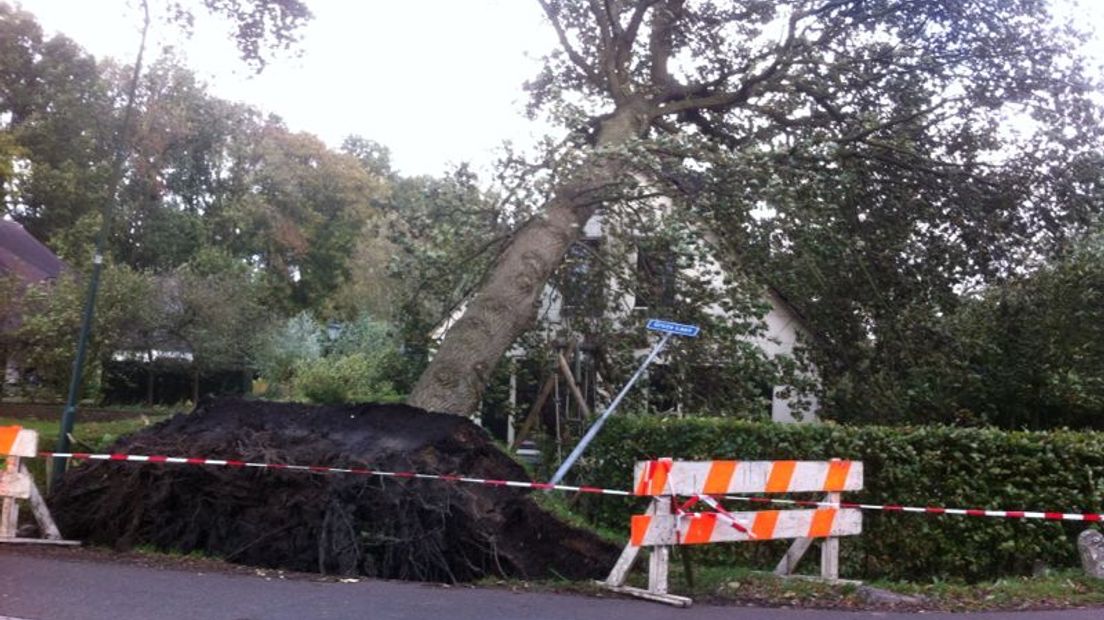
x=336, y=524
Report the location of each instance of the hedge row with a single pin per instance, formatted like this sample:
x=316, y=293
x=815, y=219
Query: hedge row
x=953, y=467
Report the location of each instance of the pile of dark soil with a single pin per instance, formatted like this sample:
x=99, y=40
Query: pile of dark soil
x=332, y=523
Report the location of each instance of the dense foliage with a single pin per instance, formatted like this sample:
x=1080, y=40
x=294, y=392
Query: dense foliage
x=1025, y=353
x=914, y=466
x=871, y=159
x=225, y=221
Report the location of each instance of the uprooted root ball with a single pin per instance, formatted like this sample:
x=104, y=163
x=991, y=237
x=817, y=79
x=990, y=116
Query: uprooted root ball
x=332, y=523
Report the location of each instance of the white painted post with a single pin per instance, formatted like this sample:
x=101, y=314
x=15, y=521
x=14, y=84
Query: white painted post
x=659, y=561
x=624, y=564
x=829, y=550
x=657, y=569
x=9, y=514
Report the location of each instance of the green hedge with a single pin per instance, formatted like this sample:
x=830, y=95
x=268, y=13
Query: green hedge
x=952, y=467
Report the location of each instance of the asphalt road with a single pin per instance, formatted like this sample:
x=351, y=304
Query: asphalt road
x=56, y=588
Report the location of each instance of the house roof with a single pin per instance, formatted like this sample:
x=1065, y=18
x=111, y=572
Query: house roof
x=26, y=257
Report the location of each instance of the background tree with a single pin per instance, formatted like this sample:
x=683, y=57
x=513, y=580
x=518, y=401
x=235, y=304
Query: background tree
x=55, y=116
x=213, y=306
x=202, y=177
x=51, y=315
x=1026, y=353
x=293, y=210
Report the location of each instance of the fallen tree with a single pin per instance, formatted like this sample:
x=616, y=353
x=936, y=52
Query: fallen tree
x=866, y=128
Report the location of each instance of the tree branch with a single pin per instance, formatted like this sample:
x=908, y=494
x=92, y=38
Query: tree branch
x=630, y=31
x=724, y=100
x=575, y=57
x=659, y=44
x=861, y=136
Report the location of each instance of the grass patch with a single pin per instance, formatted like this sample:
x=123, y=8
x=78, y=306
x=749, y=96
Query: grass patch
x=87, y=436
x=728, y=585
x=174, y=554
x=559, y=504
x=1064, y=588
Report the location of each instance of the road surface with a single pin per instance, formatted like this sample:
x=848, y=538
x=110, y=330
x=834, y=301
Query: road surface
x=54, y=587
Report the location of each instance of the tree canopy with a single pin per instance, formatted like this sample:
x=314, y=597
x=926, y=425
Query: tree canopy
x=866, y=140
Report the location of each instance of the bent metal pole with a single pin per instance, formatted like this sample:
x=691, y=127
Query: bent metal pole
x=668, y=330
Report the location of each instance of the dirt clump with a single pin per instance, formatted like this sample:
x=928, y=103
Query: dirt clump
x=331, y=523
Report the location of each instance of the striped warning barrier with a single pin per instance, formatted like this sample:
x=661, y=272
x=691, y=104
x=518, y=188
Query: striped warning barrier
x=667, y=523
x=17, y=441
x=699, y=528
x=16, y=483
x=688, y=478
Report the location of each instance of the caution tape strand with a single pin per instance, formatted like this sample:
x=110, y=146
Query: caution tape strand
x=934, y=510
x=545, y=486
x=316, y=469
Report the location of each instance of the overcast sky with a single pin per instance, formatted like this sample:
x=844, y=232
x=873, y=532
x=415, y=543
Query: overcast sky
x=436, y=81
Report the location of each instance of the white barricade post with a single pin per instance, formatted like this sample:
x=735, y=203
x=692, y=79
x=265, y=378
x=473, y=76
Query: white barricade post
x=16, y=483
x=667, y=523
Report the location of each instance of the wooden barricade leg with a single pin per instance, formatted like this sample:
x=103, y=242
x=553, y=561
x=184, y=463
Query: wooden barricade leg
x=658, y=569
x=41, y=513
x=9, y=514
x=658, y=566
x=829, y=550
x=624, y=564
x=829, y=553
x=659, y=562
x=788, y=563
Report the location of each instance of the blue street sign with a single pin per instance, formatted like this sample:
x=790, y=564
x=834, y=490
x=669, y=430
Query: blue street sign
x=677, y=329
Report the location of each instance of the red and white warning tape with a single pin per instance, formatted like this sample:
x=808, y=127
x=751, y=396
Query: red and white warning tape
x=358, y=471
x=316, y=469
x=727, y=516
x=934, y=510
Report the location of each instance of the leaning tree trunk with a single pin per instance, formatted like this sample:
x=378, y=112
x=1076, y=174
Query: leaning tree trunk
x=506, y=304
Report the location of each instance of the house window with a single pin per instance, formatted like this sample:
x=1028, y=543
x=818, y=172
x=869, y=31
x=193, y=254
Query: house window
x=655, y=276
x=581, y=281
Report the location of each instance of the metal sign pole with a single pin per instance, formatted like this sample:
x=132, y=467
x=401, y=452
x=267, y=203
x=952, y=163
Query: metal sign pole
x=668, y=330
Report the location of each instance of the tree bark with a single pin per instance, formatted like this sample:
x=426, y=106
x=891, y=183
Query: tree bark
x=506, y=304
x=150, y=374
x=195, y=385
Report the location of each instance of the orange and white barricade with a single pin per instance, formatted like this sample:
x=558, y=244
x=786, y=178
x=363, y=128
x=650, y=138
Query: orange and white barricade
x=16, y=483
x=667, y=522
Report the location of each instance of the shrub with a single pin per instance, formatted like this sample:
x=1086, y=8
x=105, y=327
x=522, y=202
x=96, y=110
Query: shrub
x=295, y=342
x=298, y=359
x=343, y=379
x=919, y=466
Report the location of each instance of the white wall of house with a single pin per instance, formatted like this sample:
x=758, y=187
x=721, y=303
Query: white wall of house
x=784, y=331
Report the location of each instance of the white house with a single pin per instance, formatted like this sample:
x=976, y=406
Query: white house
x=784, y=330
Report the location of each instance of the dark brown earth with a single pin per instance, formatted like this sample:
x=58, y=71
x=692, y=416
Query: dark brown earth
x=334, y=524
